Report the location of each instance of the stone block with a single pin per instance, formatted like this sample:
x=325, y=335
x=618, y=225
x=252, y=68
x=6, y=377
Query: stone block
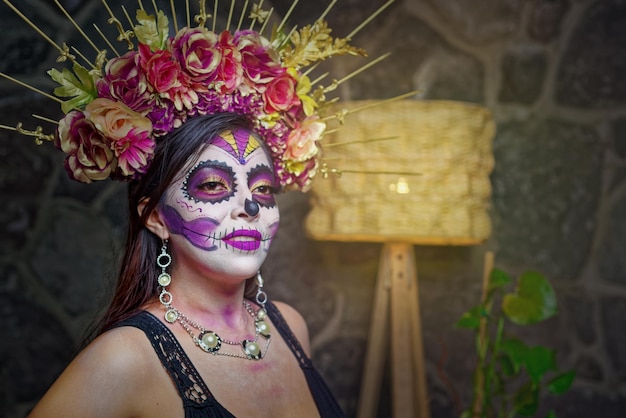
x=480, y=22
x=73, y=258
x=581, y=314
x=612, y=242
x=613, y=312
x=591, y=72
x=523, y=72
x=546, y=188
x=546, y=18
x=423, y=60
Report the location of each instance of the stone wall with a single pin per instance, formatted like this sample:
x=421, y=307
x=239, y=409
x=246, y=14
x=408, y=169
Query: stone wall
x=552, y=73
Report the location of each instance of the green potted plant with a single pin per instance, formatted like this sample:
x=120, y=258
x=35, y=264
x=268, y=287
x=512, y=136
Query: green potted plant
x=510, y=376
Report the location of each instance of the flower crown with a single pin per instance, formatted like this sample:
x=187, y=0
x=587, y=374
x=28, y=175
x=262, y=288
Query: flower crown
x=117, y=110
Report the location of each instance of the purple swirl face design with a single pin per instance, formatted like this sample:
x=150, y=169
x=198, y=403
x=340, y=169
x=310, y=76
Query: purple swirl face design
x=224, y=213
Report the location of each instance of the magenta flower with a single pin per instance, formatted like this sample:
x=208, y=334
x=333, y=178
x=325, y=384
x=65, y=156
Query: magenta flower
x=166, y=77
x=260, y=61
x=165, y=118
x=125, y=81
x=229, y=72
x=134, y=153
x=89, y=158
x=195, y=49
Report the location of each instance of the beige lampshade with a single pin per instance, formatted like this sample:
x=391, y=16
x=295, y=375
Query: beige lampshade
x=437, y=190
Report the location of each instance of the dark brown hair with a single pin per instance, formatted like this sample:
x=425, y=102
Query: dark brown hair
x=136, y=283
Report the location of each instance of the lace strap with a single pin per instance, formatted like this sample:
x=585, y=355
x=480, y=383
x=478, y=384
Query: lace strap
x=283, y=328
x=190, y=385
x=326, y=403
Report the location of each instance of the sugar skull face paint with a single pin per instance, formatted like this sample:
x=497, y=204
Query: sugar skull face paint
x=223, y=214
x=210, y=182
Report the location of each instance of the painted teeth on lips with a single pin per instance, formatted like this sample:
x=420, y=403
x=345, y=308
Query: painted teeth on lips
x=244, y=239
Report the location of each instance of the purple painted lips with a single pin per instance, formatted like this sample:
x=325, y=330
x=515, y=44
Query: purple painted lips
x=244, y=239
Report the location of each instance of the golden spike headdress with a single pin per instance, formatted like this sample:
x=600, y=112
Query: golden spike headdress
x=117, y=108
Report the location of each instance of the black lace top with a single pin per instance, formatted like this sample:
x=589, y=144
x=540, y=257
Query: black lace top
x=198, y=402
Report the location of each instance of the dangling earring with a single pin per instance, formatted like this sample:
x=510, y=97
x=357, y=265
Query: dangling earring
x=261, y=296
x=164, y=260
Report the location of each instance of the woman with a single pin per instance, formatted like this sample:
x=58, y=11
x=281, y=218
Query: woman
x=206, y=127
x=201, y=222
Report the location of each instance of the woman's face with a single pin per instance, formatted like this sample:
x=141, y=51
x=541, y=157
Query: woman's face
x=222, y=215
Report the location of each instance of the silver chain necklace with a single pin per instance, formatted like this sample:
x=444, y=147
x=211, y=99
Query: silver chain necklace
x=210, y=342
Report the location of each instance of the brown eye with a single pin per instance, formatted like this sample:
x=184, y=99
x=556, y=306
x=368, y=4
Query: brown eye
x=264, y=189
x=213, y=185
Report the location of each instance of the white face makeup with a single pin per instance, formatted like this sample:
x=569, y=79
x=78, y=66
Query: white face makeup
x=222, y=216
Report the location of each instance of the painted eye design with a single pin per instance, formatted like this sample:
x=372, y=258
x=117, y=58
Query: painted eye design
x=213, y=185
x=264, y=189
x=262, y=185
x=210, y=182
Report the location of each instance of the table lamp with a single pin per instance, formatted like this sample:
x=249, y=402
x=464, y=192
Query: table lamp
x=403, y=173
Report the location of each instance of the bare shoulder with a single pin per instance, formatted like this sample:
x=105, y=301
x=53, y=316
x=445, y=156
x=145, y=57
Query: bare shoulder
x=103, y=379
x=297, y=324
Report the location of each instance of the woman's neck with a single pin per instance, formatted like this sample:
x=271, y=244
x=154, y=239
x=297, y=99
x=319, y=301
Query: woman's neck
x=209, y=301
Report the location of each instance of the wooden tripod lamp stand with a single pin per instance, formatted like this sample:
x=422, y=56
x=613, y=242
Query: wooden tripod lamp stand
x=410, y=173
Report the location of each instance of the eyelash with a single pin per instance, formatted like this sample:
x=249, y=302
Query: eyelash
x=214, y=180
x=269, y=189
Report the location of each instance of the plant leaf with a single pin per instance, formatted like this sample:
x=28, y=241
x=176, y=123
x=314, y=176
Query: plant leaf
x=516, y=351
x=509, y=368
x=497, y=279
x=526, y=400
x=540, y=360
x=551, y=414
x=152, y=31
x=533, y=301
x=471, y=318
x=79, y=85
x=561, y=383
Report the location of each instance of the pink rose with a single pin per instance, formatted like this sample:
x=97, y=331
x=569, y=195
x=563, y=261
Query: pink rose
x=196, y=51
x=125, y=81
x=302, y=141
x=167, y=78
x=161, y=70
x=89, y=158
x=229, y=72
x=280, y=94
x=259, y=60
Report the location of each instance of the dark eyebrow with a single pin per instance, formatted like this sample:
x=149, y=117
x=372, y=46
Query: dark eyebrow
x=262, y=169
x=219, y=165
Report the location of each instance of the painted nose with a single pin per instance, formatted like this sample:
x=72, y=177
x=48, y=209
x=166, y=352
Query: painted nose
x=251, y=207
